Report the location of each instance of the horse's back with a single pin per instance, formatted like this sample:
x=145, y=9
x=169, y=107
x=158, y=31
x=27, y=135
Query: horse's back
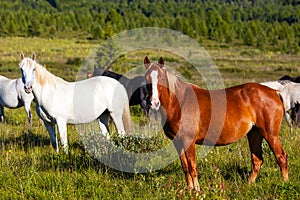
x=248, y=92
x=110, y=88
x=3, y=78
x=254, y=95
x=5, y=82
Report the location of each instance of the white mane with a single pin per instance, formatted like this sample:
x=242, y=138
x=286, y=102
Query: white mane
x=172, y=81
x=43, y=76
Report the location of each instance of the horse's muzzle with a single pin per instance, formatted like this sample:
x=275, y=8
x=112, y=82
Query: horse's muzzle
x=28, y=89
x=155, y=104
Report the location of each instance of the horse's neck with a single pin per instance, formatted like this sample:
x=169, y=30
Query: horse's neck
x=122, y=79
x=44, y=77
x=173, y=98
x=45, y=83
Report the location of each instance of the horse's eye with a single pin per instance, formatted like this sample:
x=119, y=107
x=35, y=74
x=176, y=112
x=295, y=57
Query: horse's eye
x=33, y=69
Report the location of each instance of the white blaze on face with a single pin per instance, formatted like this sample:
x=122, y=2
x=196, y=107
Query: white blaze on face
x=27, y=74
x=155, y=103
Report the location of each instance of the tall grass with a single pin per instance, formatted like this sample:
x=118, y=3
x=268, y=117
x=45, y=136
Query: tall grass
x=30, y=169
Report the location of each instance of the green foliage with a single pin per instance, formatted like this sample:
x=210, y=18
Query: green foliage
x=99, y=20
x=74, y=61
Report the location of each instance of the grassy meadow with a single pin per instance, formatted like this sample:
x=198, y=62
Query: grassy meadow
x=30, y=169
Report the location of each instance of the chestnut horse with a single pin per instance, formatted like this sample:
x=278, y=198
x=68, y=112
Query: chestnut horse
x=190, y=118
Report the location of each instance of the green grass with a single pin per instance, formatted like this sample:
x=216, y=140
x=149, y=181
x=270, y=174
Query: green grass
x=30, y=169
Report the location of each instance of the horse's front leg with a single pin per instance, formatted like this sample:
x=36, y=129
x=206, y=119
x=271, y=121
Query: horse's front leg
x=1, y=114
x=29, y=115
x=103, y=124
x=62, y=129
x=187, y=153
x=51, y=130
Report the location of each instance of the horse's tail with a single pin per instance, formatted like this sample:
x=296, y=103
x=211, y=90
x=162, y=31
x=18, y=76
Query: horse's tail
x=126, y=116
x=283, y=101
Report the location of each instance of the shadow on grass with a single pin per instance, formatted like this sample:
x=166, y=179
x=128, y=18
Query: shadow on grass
x=77, y=160
x=27, y=140
x=234, y=170
x=80, y=161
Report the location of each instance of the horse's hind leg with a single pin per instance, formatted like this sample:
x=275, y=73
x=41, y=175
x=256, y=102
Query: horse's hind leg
x=280, y=154
x=103, y=123
x=255, y=143
x=117, y=118
x=1, y=114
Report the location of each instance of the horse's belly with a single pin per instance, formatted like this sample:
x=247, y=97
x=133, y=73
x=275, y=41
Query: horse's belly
x=10, y=102
x=234, y=133
x=82, y=119
x=85, y=114
x=227, y=134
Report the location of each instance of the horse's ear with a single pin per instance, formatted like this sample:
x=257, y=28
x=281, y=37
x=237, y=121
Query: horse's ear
x=22, y=55
x=33, y=56
x=147, y=62
x=161, y=62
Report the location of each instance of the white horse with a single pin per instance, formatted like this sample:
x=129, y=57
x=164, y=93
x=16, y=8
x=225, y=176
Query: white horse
x=290, y=93
x=291, y=97
x=61, y=102
x=12, y=95
x=278, y=85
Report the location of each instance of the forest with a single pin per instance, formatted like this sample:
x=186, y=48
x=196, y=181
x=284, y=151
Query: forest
x=269, y=25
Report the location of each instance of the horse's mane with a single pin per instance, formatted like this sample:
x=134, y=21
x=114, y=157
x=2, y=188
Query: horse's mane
x=171, y=77
x=172, y=81
x=43, y=76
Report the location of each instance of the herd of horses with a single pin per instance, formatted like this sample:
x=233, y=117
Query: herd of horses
x=190, y=115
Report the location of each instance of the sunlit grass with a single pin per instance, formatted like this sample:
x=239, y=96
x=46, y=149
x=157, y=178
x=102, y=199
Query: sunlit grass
x=30, y=168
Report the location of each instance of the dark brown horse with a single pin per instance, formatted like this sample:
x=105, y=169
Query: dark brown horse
x=192, y=116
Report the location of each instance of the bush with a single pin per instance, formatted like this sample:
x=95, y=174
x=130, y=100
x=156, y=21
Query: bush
x=74, y=61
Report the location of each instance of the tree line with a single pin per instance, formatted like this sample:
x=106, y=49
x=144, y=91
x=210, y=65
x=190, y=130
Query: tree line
x=266, y=24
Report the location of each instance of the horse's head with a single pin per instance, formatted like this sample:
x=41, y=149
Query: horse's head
x=157, y=81
x=27, y=68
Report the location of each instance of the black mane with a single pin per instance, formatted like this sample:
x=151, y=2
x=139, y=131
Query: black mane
x=294, y=79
